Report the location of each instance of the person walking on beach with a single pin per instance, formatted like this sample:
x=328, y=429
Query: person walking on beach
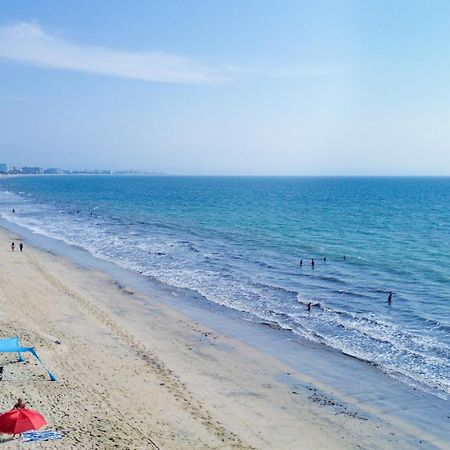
x=312, y=263
x=21, y=246
x=13, y=246
x=389, y=300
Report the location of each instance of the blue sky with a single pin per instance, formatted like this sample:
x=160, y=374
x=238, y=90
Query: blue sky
x=227, y=87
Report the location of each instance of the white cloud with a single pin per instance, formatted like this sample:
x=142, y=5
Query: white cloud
x=29, y=43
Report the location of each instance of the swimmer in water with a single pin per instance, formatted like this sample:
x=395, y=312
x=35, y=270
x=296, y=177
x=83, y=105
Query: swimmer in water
x=389, y=300
x=324, y=259
x=308, y=306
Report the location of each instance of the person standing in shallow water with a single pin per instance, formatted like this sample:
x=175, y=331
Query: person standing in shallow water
x=389, y=300
x=312, y=263
x=21, y=246
x=301, y=262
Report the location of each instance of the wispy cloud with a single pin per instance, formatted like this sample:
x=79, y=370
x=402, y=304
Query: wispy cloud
x=29, y=43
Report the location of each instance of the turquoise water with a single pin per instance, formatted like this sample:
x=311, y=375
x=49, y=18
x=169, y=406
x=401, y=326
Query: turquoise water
x=238, y=242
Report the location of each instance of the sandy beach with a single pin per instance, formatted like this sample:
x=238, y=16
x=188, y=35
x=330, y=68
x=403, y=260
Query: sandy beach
x=134, y=373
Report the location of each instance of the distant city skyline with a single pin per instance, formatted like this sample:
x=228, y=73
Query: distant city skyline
x=226, y=87
x=7, y=169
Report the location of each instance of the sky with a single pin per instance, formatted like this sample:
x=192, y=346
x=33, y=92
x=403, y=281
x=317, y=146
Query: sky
x=227, y=87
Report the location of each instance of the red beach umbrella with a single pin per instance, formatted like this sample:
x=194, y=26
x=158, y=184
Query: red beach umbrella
x=19, y=420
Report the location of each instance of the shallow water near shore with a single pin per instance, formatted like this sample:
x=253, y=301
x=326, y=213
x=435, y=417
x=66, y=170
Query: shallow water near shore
x=237, y=242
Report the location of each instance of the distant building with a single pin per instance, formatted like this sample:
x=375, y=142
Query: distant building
x=3, y=168
x=53, y=171
x=32, y=170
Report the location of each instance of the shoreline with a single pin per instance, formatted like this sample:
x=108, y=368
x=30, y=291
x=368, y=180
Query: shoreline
x=193, y=303
x=259, y=400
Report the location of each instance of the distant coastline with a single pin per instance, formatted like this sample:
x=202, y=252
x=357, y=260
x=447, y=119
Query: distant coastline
x=122, y=173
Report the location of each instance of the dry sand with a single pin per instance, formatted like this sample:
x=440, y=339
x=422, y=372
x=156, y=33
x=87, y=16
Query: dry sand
x=134, y=373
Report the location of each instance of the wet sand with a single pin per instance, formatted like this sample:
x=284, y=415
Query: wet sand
x=135, y=373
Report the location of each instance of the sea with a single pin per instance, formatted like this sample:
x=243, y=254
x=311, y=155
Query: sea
x=238, y=242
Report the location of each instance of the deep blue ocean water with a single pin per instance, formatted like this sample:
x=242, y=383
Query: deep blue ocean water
x=238, y=242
